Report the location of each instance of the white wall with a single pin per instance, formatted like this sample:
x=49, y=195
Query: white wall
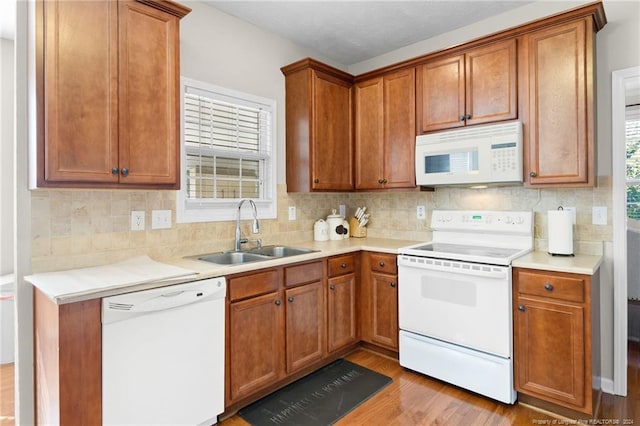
x=6, y=155
x=220, y=49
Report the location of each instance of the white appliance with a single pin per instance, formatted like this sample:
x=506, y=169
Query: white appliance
x=454, y=303
x=490, y=154
x=163, y=355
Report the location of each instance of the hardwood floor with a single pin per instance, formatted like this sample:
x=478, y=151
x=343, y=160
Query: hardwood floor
x=414, y=399
x=6, y=395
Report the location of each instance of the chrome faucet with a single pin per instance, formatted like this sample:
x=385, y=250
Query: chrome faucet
x=255, y=228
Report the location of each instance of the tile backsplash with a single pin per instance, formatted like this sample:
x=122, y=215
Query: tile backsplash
x=78, y=228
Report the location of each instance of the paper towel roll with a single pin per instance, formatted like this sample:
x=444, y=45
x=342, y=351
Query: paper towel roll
x=560, y=225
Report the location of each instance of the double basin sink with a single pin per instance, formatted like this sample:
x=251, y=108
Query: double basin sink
x=253, y=255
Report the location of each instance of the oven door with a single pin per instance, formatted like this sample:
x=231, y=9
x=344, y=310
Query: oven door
x=464, y=303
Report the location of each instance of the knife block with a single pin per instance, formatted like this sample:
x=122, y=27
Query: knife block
x=355, y=230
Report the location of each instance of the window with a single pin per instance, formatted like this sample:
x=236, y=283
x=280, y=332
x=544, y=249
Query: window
x=228, y=153
x=632, y=127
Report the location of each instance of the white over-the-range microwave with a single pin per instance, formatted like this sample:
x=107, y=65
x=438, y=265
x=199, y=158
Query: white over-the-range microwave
x=479, y=155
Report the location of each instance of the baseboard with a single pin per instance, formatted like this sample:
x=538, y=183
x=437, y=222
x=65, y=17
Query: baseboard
x=607, y=385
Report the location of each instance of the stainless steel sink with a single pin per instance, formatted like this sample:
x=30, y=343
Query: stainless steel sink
x=281, y=251
x=253, y=255
x=233, y=258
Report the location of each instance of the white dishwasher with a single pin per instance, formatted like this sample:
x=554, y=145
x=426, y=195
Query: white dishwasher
x=163, y=355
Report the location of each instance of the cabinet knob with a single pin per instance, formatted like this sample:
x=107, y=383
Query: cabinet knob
x=380, y=181
x=461, y=118
x=343, y=265
x=381, y=264
x=316, y=180
x=392, y=284
x=115, y=171
x=290, y=299
x=533, y=174
x=384, y=181
x=278, y=302
x=332, y=287
x=521, y=308
x=124, y=171
x=467, y=117
x=548, y=287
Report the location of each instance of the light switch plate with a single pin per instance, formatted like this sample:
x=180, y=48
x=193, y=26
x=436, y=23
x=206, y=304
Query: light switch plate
x=160, y=219
x=137, y=220
x=599, y=215
x=292, y=212
x=421, y=212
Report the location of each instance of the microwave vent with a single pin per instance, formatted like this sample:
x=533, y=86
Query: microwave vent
x=477, y=132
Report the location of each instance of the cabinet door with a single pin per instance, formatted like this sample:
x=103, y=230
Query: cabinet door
x=399, y=129
x=369, y=133
x=559, y=146
x=441, y=94
x=79, y=110
x=149, y=93
x=384, y=310
x=341, y=312
x=549, y=351
x=491, y=83
x=305, y=328
x=331, y=150
x=256, y=344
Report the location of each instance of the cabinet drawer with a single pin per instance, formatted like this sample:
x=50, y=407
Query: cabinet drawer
x=564, y=287
x=384, y=263
x=340, y=265
x=305, y=273
x=253, y=285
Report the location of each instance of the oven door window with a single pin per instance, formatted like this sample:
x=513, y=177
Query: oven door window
x=460, y=308
x=453, y=162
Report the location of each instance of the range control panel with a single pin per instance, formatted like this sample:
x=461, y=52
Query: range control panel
x=483, y=220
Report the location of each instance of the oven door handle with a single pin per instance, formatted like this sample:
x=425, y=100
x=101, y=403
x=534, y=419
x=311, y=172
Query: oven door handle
x=453, y=266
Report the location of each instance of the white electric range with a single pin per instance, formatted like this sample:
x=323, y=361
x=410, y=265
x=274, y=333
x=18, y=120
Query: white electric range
x=454, y=303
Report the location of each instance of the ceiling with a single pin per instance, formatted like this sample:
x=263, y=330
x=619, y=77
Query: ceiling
x=349, y=32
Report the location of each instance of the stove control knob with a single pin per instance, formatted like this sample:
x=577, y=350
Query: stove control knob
x=507, y=219
x=447, y=219
x=519, y=220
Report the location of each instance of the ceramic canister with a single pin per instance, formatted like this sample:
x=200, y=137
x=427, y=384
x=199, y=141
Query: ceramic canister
x=336, y=228
x=321, y=230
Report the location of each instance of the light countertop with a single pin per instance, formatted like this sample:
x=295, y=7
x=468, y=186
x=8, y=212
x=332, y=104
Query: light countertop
x=578, y=264
x=53, y=285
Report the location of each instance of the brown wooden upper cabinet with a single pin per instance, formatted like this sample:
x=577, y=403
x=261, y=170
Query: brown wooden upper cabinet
x=318, y=127
x=385, y=131
x=108, y=93
x=557, y=86
x=474, y=87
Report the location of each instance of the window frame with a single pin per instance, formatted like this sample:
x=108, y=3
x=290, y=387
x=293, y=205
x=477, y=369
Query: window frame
x=193, y=211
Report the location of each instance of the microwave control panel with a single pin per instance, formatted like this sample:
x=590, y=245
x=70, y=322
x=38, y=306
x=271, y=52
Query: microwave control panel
x=505, y=158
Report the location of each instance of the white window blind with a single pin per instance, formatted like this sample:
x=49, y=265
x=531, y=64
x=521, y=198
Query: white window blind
x=228, y=148
x=632, y=136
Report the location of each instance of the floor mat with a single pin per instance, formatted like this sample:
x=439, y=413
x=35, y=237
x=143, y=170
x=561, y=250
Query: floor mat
x=319, y=399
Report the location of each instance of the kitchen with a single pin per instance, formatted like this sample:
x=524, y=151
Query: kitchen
x=60, y=238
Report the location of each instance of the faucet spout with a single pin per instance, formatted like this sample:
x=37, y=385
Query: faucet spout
x=255, y=228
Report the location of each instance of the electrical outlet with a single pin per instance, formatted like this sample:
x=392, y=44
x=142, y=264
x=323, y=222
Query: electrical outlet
x=421, y=212
x=342, y=210
x=292, y=212
x=160, y=219
x=599, y=215
x=137, y=220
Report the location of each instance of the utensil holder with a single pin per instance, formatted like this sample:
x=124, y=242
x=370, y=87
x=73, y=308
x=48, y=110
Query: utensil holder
x=356, y=230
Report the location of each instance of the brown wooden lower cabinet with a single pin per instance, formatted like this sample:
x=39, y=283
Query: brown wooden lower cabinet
x=305, y=329
x=342, y=318
x=68, y=362
x=556, y=338
x=379, y=314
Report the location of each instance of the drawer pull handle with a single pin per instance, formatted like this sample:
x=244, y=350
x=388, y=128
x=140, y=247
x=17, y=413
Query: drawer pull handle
x=115, y=171
x=521, y=308
x=381, y=264
x=316, y=180
x=332, y=287
x=548, y=287
x=392, y=284
x=290, y=299
x=533, y=174
x=343, y=265
x=278, y=302
x=124, y=171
